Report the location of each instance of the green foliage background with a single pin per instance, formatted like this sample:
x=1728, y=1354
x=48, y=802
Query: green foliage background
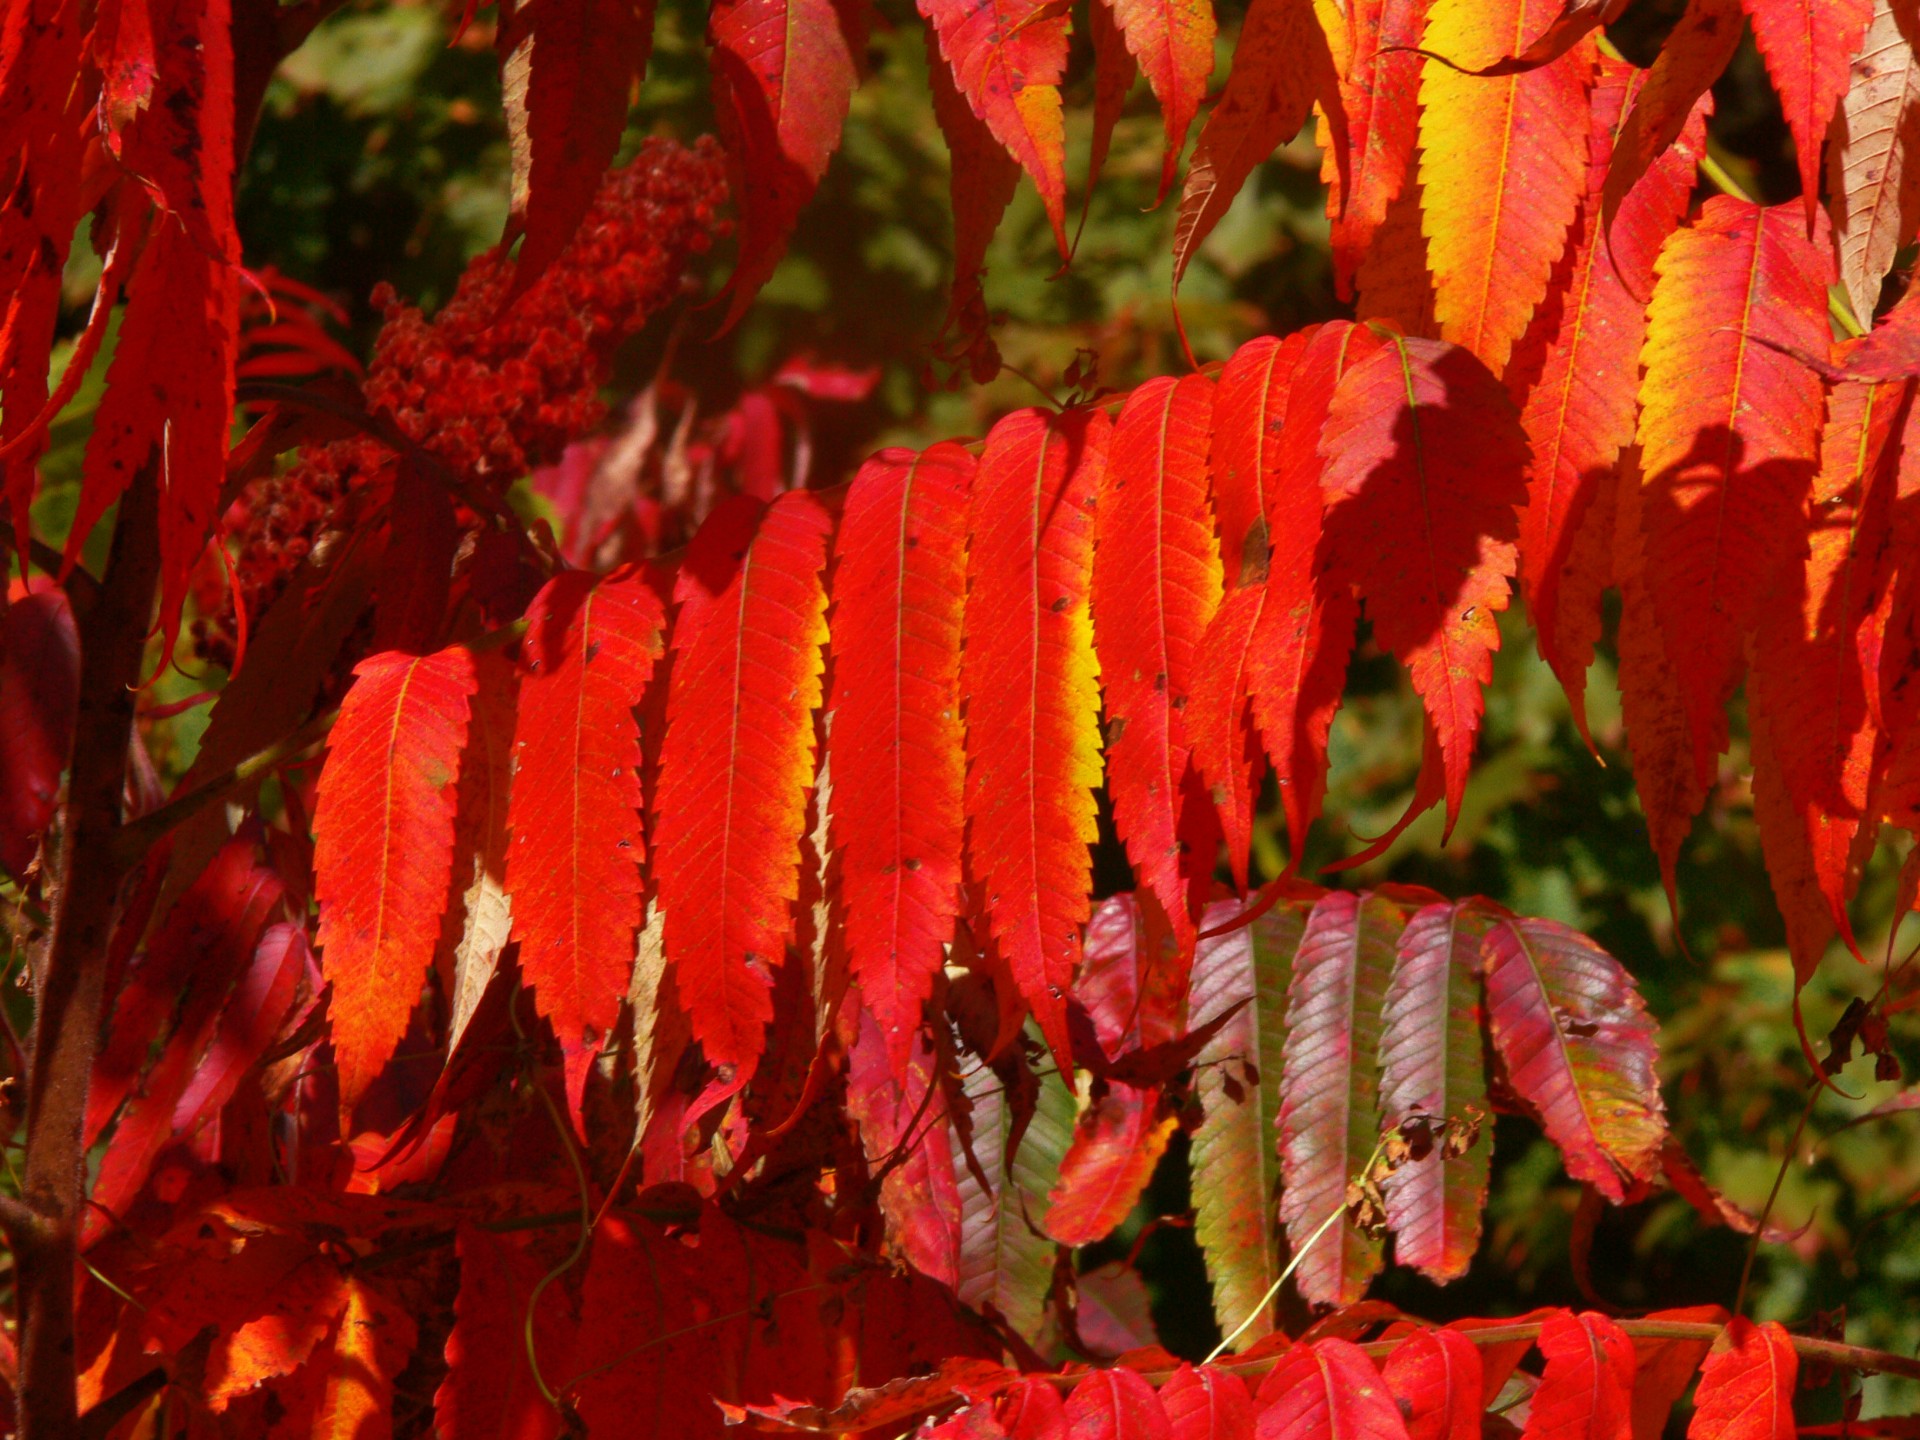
x=382, y=155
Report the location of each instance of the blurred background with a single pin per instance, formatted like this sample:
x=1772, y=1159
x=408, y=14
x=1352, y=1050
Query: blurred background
x=382, y=156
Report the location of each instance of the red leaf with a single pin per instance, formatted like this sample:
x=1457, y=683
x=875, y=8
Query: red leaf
x=1132, y=980
x=1173, y=41
x=1114, y=71
x=783, y=72
x=568, y=70
x=180, y=142
x=383, y=848
x=1007, y=57
x=372, y=1345
x=895, y=746
x=1430, y=1065
x=489, y=1387
x=1584, y=349
x=168, y=403
x=1033, y=1410
x=734, y=772
x=1207, y=1404
x=39, y=690
x=1380, y=95
x=1503, y=164
x=1117, y=1142
x=1329, y=1089
x=1808, y=678
x=1029, y=676
x=1156, y=584
x=1586, y=1391
x=1435, y=1377
x=573, y=865
x=1327, y=1389
x=1579, y=1048
x=1746, y=1385
x=1235, y=1153
x=1663, y=1369
x=1688, y=64
x=1115, y=1404
x=1426, y=465
x=1728, y=435
x=1281, y=65
x=1807, y=45
x=1298, y=665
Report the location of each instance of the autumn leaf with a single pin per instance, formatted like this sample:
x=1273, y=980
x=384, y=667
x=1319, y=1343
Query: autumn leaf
x=1206, y=1404
x=1172, y=40
x=1425, y=468
x=1379, y=93
x=734, y=772
x=1434, y=1375
x=1586, y=1390
x=1327, y=1388
x=1873, y=174
x=39, y=690
x=573, y=862
x=1115, y=1404
x=1746, y=1385
x=1729, y=430
x=896, y=743
x=373, y=1343
x=1688, y=64
x=383, y=847
x=1664, y=1369
x=489, y=1382
x=1579, y=1049
x=1117, y=1142
x=1029, y=676
x=1503, y=165
x=1156, y=584
x=1330, y=1090
x=1806, y=45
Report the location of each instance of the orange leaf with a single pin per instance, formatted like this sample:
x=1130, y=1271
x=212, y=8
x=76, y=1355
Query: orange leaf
x=1807, y=45
x=1116, y=1144
x=735, y=767
x=1426, y=464
x=1729, y=430
x=1156, y=584
x=573, y=862
x=1032, y=696
x=899, y=582
x=373, y=1344
x=1584, y=348
x=1281, y=65
x=1173, y=42
x=1691, y=60
x=1380, y=95
x=1007, y=57
x=783, y=73
x=1503, y=164
x=1746, y=1385
x=383, y=847
x=1873, y=179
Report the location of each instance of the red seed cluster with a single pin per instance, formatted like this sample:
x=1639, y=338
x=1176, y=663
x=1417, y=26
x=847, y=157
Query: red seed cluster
x=494, y=385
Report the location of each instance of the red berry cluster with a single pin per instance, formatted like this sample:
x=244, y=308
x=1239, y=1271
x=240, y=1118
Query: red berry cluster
x=492, y=388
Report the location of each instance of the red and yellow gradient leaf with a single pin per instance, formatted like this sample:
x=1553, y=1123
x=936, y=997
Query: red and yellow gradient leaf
x=1807, y=45
x=1729, y=436
x=1579, y=1049
x=1586, y=1390
x=899, y=586
x=1329, y=1388
x=1031, y=684
x=1435, y=1377
x=1117, y=1142
x=1206, y=1404
x=1173, y=42
x=1688, y=64
x=1873, y=174
x=1808, y=679
x=371, y=1346
x=568, y=71
x=735, y=768
x=1235, y=1157
x=1250, y=405
x=783, y=73
x=1746, y=1385
x=1426, y=469
x=573, y=816
x=1006, y=58
x=1503, y=164
x=1156, y=585
x=1430, y=1064
x=1281, y=65
x=1330, y=1087
x=1298, y=665
x=1584, y=347
x=383, y=847
x=1380, y=95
